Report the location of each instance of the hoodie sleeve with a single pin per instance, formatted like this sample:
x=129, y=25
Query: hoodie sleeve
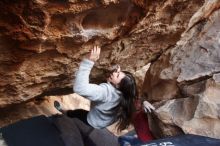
x=82, y=86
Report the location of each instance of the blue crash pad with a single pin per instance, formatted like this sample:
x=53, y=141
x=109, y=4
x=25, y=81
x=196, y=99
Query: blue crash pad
x=184, y=140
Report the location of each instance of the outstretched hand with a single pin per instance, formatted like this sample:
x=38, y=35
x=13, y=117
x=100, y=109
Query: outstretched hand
x=148, y=108
x=94, y=54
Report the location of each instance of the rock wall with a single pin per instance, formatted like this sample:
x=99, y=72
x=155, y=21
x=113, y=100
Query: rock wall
x=42, y=42
x=184, y=82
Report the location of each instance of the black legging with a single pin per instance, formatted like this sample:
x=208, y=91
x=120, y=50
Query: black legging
x=80, y=114
x=75, y=132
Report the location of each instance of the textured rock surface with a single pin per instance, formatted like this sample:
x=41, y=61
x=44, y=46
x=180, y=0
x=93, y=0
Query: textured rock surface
x=42, y=107
x=190, y=73
x=198, y=114
x=42, y=42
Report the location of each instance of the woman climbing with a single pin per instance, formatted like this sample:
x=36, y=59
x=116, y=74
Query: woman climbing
x=112, y=101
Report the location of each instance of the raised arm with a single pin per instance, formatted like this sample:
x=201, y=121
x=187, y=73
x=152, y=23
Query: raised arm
x=82, y=86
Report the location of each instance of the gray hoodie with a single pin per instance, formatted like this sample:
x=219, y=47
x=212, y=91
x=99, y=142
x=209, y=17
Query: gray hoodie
x=104, y=96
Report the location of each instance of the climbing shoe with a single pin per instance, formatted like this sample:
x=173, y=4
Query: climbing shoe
x=57, y=106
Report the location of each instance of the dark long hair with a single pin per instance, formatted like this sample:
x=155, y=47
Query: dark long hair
x=126, y=106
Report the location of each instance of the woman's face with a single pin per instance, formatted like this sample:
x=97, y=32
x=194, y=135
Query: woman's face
x=116, y=77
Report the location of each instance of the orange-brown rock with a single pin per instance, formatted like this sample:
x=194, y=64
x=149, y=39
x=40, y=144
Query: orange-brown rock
x=42, y=42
